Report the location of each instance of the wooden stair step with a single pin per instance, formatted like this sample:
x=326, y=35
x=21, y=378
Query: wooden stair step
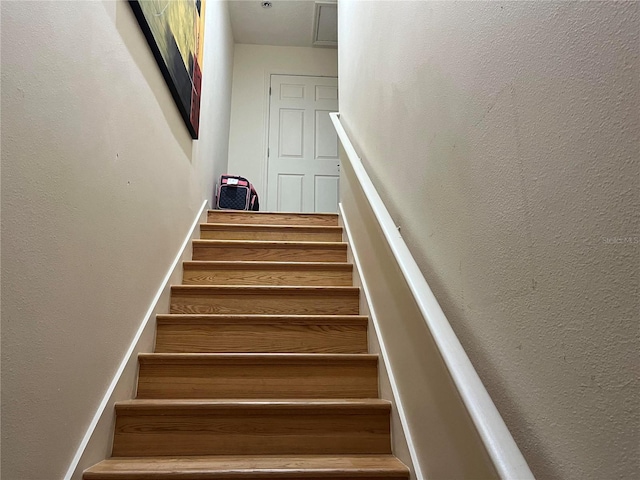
x=240, y=467
x=230, y=231
x=282, y=251
x=261, y=333
x=264, y=300
x=253, y=427
x=263, y=355
x=272, y=218
x=268, y=273
x=249, y=375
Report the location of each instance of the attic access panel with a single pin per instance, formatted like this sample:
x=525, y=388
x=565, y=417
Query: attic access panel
x=325, y=26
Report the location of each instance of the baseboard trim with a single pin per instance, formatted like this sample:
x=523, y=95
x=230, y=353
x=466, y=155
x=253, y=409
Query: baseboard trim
x=72, y=471
x=383, y=350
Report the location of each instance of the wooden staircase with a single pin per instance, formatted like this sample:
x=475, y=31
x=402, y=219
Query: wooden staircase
x=261, y=369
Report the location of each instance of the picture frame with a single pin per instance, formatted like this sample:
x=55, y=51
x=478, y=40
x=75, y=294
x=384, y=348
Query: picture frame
x=174, y=30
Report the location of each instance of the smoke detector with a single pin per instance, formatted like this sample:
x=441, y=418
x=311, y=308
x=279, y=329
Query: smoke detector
x=267, y=4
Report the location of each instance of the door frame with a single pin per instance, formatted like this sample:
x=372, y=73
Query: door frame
x=264, y=167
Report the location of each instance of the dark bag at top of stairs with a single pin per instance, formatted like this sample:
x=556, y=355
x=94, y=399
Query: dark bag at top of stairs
x=236, y=193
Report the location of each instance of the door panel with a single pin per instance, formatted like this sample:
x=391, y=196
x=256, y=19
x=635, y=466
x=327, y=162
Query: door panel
x=303, y=165
x=291, y=91
x=326, y=193
x=292, y=185
x=324, y=92
x=326, y=138
x=291, y=133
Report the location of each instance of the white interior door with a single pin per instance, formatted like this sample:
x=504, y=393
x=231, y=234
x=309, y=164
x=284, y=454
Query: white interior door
x=303, y=164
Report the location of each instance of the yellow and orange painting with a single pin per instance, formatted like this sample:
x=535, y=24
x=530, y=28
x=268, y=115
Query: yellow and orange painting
x=175, y=32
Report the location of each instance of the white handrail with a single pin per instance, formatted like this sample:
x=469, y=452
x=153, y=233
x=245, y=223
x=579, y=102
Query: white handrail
x=500, y=446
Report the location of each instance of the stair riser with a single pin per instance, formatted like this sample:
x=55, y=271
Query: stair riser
x=271, y=218
x=308, y=379
x=271, y=235
x=287, y=253
x=287, y=433
x=247, y=276
x=286, y=304
x=261, y=338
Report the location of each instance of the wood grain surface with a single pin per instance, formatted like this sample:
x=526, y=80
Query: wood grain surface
x=310, y=233
x=261, y=334
x=259, y=376
x=268, y=273
x=230, y=250
x=260, y=369
x=272, y=218
x=171, y=427
x=242, y=467
x=265, y=300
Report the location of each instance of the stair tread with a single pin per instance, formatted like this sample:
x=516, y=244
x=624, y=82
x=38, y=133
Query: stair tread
x=264, y=289
x=257, y=264
x=271, y=243
x=258, y=226
x=265, y=212
x=349, y=406
x=261, y=319
x=256, y=358
x=294, y=466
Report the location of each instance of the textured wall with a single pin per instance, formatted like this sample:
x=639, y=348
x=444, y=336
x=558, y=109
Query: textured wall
x=503, y=138
x=100, y=183
x=252, y=66
x=445, y=441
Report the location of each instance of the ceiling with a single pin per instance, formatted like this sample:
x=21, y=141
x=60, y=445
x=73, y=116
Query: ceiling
x=286, y=23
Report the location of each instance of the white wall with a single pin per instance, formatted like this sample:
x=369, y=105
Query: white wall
x=211, y=151
x=252, y=67
x=510, y=131
x=427, y=407
x=100, y=183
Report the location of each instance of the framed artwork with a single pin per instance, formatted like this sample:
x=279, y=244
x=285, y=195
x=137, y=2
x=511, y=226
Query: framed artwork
x=175, y=32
